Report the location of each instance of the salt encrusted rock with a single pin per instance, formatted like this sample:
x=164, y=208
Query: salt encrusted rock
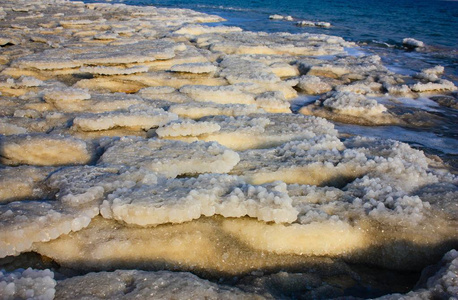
x=197, y=110
x=171, y=158
x=441, y=85
x=313, y=85
x=413, y=43
x=187, y=128
x=218, y=94
x=182, y=200
x=195, y=68
x=136, y=117
x=44, y=150
x=113, y=70
x=23, y=183
x=26, y=222
x=237, y=70
x=158, y=285
x=430, y=74
x=313, y=24
x=11, y=129
x=27, y=284
x=203, y=29
x=276, y=17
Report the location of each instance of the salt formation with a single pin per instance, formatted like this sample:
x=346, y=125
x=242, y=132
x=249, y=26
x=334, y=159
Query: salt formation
x=178, y=201
x=171, y=158
x=313, y=24
x=350, y=107
x=27, y=284
x=131, y=135
x=44, y=150
x=136, y=117
x=412, y=43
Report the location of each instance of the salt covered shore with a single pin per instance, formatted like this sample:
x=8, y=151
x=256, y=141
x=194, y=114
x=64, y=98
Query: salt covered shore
x=146, y=154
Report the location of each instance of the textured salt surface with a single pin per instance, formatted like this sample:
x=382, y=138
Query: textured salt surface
x=137, y=138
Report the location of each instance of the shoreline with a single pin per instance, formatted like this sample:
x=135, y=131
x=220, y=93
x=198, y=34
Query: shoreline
x=142, y=139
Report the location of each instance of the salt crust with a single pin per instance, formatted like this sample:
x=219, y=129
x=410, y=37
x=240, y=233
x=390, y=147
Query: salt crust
x=218, y=94
x=136, y=117
x=157, y=285
x=170, y=158
x=120, y=54
x=24, y=223
x=186, y=128
x=197, y=110
x=265, y=130
x=195, y=68
x=195, y=29
x=275, y=43
x=349, y=103
x=114, y=70
x=22, y=183
x=44, y=150
x=27, y=284
x=181, y=200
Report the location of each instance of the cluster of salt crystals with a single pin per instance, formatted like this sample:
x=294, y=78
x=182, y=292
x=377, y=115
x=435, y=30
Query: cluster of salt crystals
x=353, y=104
x=181, y=200
x=187, y=128
x=27, y=284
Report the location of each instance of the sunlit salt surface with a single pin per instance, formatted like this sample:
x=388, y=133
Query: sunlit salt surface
x=146, y=154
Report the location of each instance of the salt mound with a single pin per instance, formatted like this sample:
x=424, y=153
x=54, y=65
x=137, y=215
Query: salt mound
x=353, y=104
x=349, y=107
x=197, y=110
x=182, y=200
x=44, y=150
x=442, y=85
x=27, y=284
x=313, y=85
x=141, y=284
x=273, y=102
x=170, y=158
x=136, y=117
